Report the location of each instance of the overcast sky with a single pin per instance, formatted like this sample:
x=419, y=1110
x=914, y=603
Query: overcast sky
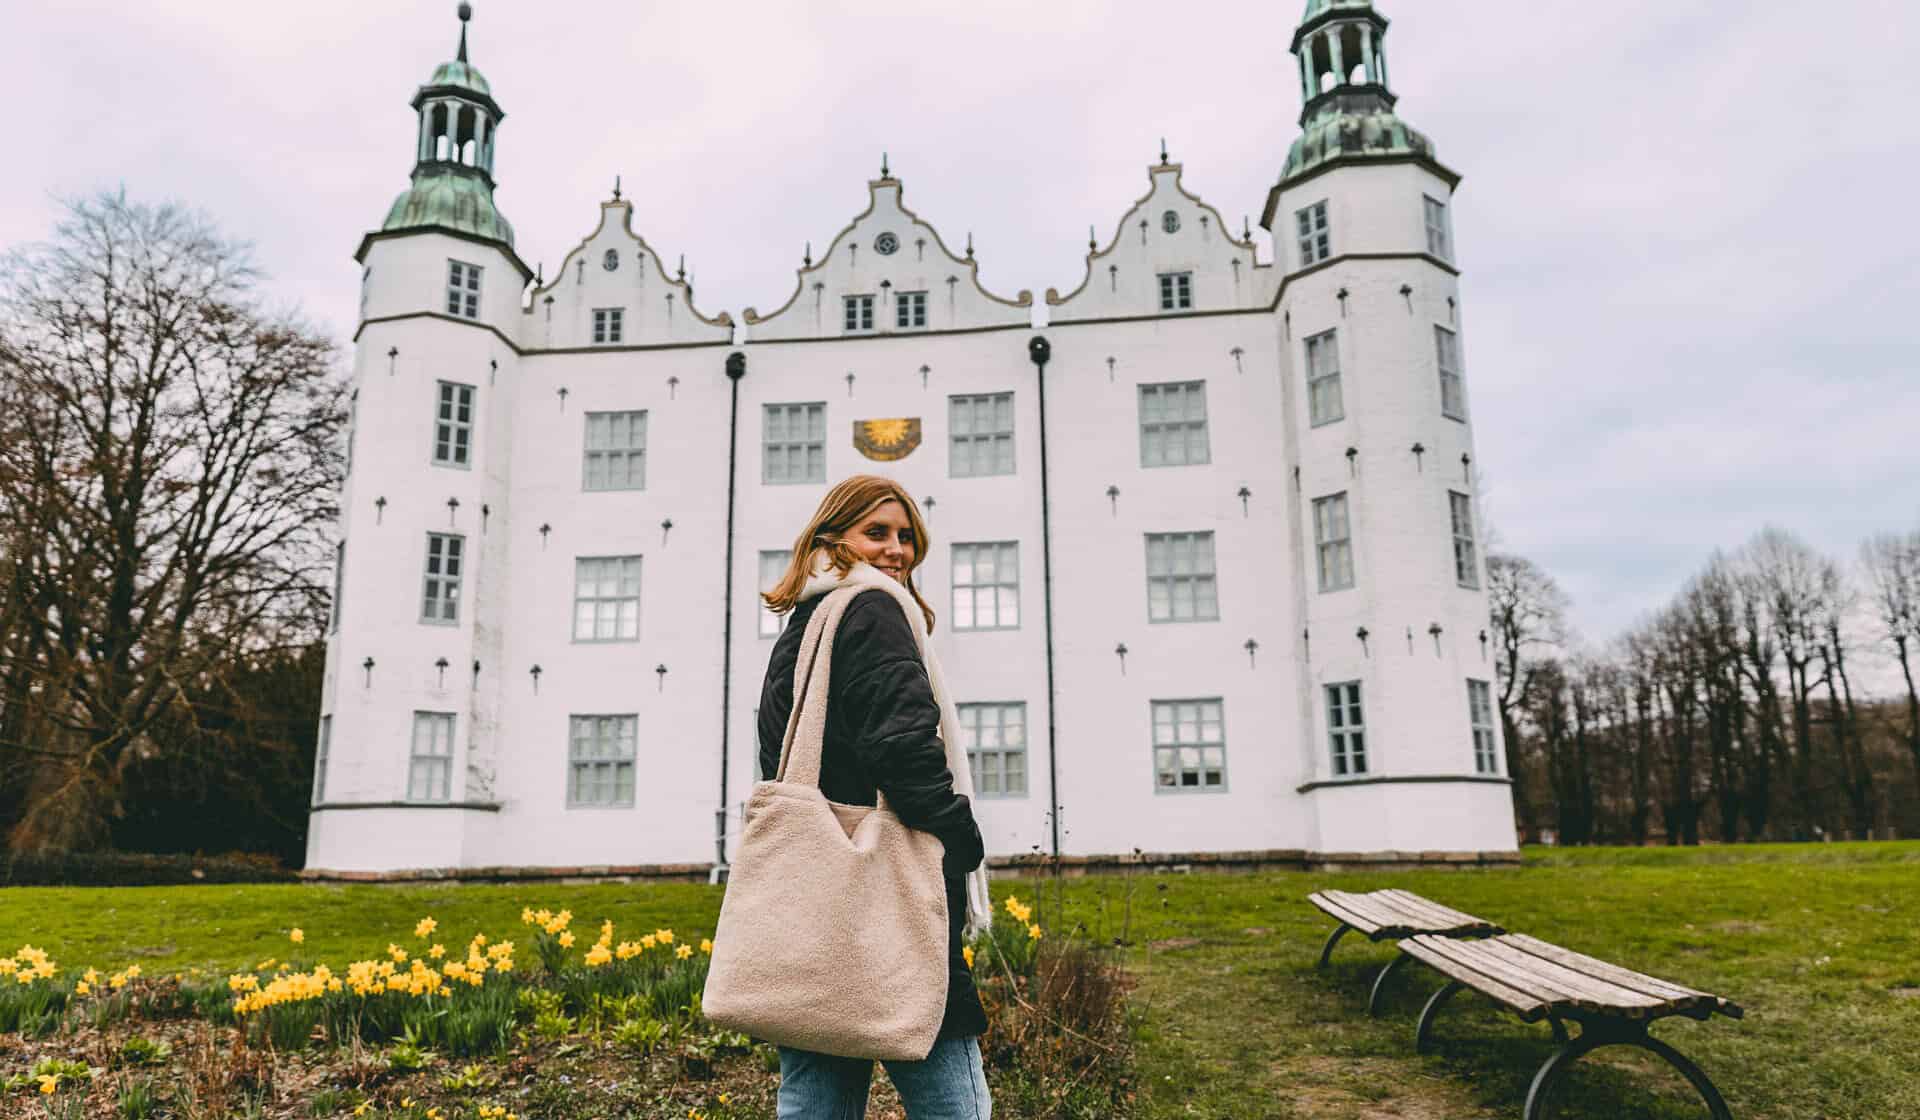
x=1692, y=261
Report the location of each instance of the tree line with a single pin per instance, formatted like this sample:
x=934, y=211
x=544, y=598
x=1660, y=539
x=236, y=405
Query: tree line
x=1738, y=711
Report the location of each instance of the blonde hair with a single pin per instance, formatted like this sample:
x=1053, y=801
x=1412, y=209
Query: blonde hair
x=844, y=507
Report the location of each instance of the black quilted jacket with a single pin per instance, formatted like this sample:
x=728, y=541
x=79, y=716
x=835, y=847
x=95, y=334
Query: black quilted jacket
x=882, y=733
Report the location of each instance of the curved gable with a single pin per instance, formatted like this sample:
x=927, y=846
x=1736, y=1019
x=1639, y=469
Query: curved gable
x=655, y=309
x=1167, y=232
x=890, y=254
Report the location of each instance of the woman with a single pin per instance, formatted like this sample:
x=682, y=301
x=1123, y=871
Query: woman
x=884, y=733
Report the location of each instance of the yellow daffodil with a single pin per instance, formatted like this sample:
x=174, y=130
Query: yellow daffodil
x=1033, y=932
x=90, y=976
x=133, y=972
x=82, y=988
x=478, y=939
x=706, y=945
x=437, y=951
x=297, y=935
x=526, y=915
x=724, y=1098
x=966, y=954
x=117, y=981
x=649, y=941
x=566, y=939
x=665, y=936
x=361, y=1108
x=425, y=927
x=683, y=952
x=398, y=954
x=48, y=1083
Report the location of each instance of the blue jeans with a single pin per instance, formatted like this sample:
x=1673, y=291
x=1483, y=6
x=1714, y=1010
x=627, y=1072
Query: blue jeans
x=948, y=1084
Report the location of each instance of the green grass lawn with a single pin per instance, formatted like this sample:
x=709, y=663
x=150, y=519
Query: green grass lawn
x=1821, y=945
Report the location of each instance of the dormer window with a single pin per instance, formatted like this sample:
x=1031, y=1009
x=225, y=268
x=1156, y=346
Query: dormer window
x=1176, y=291
x=910, y=310
x=1316, y=240
x=859, y=313
x=608, y=324
x=463, y=289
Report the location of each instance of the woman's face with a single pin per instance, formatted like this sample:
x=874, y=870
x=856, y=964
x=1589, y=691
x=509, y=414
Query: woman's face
x=884, y=538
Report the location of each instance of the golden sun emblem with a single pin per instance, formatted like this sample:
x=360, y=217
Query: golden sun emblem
x=887, y=440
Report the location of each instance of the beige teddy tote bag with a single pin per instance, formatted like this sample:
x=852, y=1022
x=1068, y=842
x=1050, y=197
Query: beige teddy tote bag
x=833, y=931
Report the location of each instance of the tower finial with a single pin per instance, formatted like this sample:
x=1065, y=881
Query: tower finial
x=466, y=14
x=806, y=259
x=883, y=166
x=1163, y=151
x=616, y=188
x=1091, y=243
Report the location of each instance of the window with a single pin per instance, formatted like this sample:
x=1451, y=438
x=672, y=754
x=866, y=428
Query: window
x=1181, y=585
x=986, y=586
x=995, y=736
x=339, y=585
x=606, y=599
x=1324, y=401
x=1453, y=402
x=1348, y=728
x=1189, y=746
x=430, y=767
x=1466, y=566
x=453, y=424
x=608, y=324
x=1173, y=424
x=794, y=443
x=859, y=313
x=320, y=760
x=1176, y=291
x=1439, y=231
x=981, y=433
x=600, y=752
x=1480, y=713
x=463, y=290
x=441, y=600
x=616, y=451
x=910, y=310
x=1334, y=536
x=773, y=566
x=1316, y=241
x=353, y=426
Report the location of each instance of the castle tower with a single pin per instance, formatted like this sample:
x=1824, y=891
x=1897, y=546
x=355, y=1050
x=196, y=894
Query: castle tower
x=406, y=753
x=1404, y=752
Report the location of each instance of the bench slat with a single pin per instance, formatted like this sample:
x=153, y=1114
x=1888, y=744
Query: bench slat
x=1339, y=909
x=1626, y=978
x=1440, y=917
x=1556, y=984
x=1393, y=913
x=1428, y=950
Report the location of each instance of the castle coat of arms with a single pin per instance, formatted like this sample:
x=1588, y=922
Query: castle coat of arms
x=886, y=440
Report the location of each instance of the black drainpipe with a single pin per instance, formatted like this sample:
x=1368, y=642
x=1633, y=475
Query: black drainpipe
x=736, y=369
x=1040, y=350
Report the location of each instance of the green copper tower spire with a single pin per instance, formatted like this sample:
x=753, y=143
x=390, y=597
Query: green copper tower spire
x=1348, y=101
x=453, y=159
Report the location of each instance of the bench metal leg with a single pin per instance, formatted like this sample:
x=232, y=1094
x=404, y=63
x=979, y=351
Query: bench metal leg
x=1380, y=983
x=1424, y=1032
x=1338, y=933
x=1595, y=1036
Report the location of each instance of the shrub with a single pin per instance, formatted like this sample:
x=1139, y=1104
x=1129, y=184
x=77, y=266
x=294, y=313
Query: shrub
x=143, y=1051
x=642, y=1035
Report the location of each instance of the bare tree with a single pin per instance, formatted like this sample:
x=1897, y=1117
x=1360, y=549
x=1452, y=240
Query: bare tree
x=1797, y=589
x=1529, y=621
x=1892, y=566
x=168, y=477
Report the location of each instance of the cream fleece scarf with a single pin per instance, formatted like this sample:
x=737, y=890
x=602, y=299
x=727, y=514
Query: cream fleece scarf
x=825, y=579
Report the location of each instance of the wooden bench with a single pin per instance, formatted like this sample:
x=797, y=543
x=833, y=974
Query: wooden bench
x=1389, y=915
x=1614, y=1006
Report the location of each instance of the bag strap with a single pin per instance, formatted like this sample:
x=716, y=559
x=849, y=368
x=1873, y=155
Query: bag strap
x=805, y=739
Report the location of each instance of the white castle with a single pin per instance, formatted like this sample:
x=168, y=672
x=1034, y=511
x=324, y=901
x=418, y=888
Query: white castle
x=1207, y=560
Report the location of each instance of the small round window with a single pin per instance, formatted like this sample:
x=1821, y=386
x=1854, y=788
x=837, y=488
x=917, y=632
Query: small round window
x=611, y=261
x=1170, y=222
x=886, y=244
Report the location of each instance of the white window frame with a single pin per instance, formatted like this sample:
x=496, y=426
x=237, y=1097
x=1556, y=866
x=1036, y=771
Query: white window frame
x=1161, y=430
x=431, y=768
x=607, y=590
x=609, y=325
x=812, y=415
x=443, y=573
x=773, y=568
x=339, y=587
x=1313, y=233
x=1453, y=390
x=463, y=289
x=1347, y=728
x=1182, y=569
x=1333, y=542
x=1439, y=228
x=1000, y=595
x=1176, y=291
x=909, y=310
x=859, y=314
x=996, y=748
x=1486, y=753
x=322, y=741
x=453, y=410
x=601, y=760
x=980, y=435
x=1326, y=398
x=1176, y=755
x=623, y=465
x=1466, y=551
